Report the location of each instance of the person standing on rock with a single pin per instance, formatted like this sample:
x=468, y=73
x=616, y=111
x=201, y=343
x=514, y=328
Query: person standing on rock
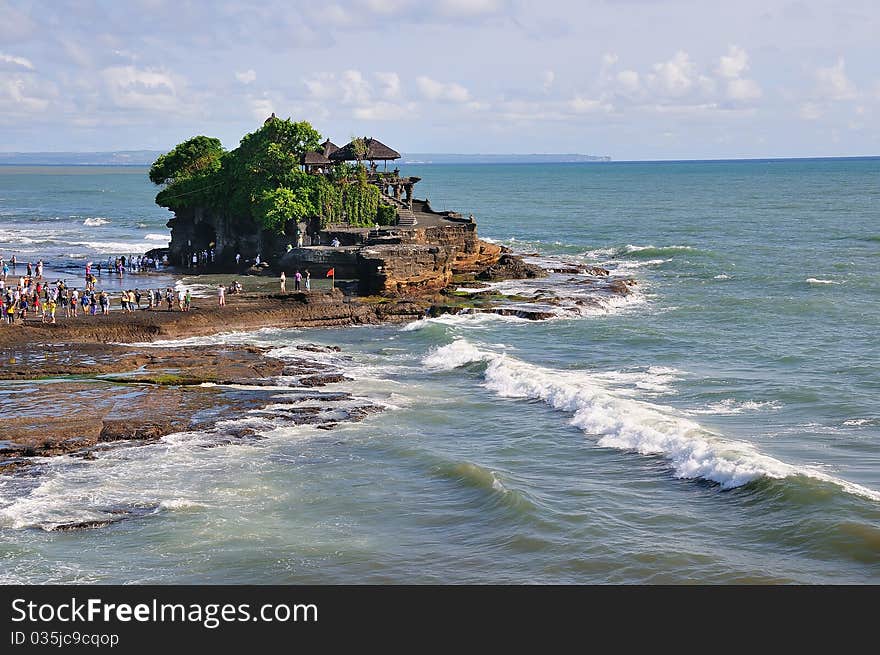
x=283, y=282
x=308, y=280
x=297, y=278
x=221, y=295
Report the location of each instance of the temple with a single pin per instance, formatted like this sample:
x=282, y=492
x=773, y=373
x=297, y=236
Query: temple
x=415, y=249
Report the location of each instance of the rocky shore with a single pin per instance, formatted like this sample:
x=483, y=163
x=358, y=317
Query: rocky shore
x=89, y=383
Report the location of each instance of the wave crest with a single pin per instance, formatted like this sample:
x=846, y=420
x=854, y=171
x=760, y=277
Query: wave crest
x=628, y=424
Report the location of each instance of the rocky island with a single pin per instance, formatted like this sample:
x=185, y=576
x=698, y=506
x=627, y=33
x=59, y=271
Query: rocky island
x=283, y=201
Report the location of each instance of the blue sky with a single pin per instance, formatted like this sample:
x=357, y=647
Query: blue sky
x=633, y=79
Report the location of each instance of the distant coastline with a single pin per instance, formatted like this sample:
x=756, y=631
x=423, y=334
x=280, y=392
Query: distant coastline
x=147, y=157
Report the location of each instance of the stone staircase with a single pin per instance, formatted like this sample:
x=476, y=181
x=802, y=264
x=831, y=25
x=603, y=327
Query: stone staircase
x=405, y=215
x=406, y=218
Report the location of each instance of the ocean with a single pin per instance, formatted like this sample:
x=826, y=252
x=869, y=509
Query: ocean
x=719, y=425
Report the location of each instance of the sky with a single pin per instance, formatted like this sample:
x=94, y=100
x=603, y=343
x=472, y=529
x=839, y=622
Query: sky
x=630, y=79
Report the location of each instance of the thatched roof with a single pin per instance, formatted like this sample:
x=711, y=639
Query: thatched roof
x=328, y=148
x=375, y=150
x=315, y=159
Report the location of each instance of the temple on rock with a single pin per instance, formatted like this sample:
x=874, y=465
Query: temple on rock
x=368, y=225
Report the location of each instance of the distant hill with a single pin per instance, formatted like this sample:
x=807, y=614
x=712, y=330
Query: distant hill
x=118, y=158
x=147, y=157
x=449, y=158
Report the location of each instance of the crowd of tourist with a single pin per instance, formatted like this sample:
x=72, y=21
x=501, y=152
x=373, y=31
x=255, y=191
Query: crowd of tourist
x=32, y=296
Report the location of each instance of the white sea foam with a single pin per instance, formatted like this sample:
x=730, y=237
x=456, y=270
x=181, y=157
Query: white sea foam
x=628, y=424
x=631, y=248
x=116, y=247
x=96, y=221
x=463, y=320
x=157, y=237
x=731, y=406
x=816, y=280
x=858, y=422
x=722, y=276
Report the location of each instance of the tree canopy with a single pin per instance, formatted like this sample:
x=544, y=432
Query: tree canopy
x=262, y=179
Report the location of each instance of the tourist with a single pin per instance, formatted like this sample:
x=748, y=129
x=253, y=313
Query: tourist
x=237, y=258
x=283, y=282
x=169, y=298
x=257, y=260
x=137, y=298
x=13, y=262
x=221, y=294
x=187, y=301
x=180, y=295
x=335, y=242
x=308, y=280
x=297, y=278
x=105, y=303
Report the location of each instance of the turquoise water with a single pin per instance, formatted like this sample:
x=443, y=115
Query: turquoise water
x=721, y=425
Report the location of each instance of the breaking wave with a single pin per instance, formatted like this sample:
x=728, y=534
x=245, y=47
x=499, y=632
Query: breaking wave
x=816, y=280
x=628, y=424
x=95, y=222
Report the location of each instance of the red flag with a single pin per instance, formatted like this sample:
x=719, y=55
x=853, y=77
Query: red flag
x=331, y=273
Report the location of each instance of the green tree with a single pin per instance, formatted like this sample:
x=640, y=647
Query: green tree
x=196, y=157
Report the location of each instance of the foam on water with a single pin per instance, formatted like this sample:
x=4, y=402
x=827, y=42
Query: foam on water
x=732, y=406
x=628, y=424
x=96, y=221
x=158, y=237
x=116, y=247
x=815, y=280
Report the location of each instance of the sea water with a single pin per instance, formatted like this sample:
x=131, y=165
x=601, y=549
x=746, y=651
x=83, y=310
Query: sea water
x=721, y=424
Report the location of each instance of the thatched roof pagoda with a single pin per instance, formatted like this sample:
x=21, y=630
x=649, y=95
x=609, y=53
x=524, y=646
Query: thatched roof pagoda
x=328, y=148
x=375, y=150
x=315, y=159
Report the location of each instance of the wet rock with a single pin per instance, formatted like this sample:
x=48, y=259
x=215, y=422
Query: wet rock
x=510, y=267
x=317, y=348
x=622, y=287
x=323, y=379
x=82, y=525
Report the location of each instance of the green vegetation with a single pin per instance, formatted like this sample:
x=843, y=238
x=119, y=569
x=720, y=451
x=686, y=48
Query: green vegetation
x=386, y=215
x=262, y=179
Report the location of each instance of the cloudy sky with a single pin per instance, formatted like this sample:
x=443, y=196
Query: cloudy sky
x=633, y=79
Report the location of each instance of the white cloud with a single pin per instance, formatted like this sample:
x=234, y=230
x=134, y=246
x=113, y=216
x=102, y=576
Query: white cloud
x=246, y=77
x=386, y=6
x=581, y=105
x=135, y=88
x=467, y=8
x=355, y=88
x=16, y=98
x=674, y=77
x=321, y=86
x=349, y=87
x=385, y=111
x=810, y=111
x=18, y=62
x=547, y=79
x=628, y=81
x=261, y=108
x=743, y=90
x=833, y=82
x=390, y=84
x=441, y=91
x=734, y=63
